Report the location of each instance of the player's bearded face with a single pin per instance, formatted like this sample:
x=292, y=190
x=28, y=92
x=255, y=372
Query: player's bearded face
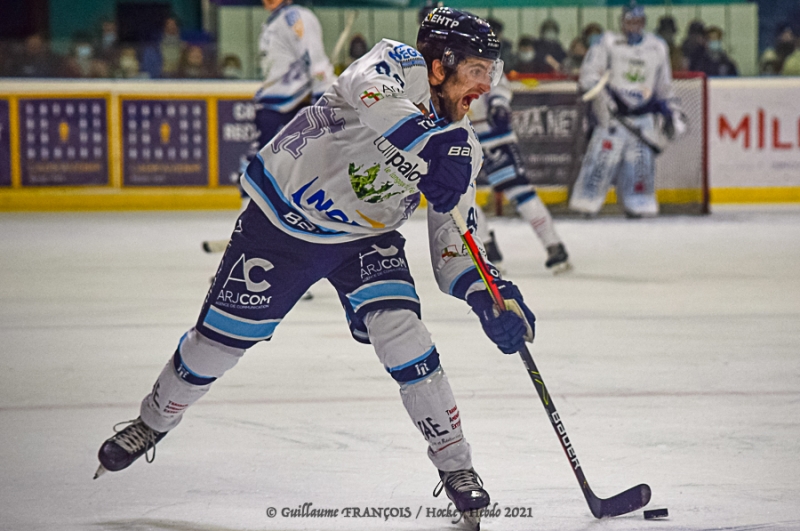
x=472, y=77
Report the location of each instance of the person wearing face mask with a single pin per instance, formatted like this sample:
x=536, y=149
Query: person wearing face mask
x=526, y=51
x=783, y=48
x=715, y=62
x=231, y=67
x=79, y=61
x=575, y=55
x=549, y=52
x=639, y=93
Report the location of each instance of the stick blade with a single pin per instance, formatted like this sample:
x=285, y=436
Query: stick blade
x=631, y=500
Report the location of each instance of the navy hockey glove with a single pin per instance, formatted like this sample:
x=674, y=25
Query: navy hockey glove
x=508, y=329
x=449, y=159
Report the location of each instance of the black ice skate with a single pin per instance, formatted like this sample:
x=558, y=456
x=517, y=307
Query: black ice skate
x=465, y=490
x=128, y=445
x=557, y=259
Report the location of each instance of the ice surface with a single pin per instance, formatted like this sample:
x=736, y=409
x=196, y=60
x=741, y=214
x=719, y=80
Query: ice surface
x=672, y=352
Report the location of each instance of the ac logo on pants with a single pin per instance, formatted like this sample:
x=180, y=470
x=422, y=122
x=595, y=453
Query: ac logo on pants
x=247, y=267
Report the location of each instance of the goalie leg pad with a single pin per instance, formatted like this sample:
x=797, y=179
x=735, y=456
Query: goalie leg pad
x=404, y=346
x=196, y=364
x=636, y=185
x=599, y=169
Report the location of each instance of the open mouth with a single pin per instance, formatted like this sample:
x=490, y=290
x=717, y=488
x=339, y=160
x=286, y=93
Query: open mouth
x=467, y=100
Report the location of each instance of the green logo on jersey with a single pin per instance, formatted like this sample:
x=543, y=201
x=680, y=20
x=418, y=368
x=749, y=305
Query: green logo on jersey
x=362, y=184
x=635, y=76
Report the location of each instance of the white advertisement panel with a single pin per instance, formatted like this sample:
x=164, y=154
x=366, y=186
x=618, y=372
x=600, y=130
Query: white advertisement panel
x=754, y=133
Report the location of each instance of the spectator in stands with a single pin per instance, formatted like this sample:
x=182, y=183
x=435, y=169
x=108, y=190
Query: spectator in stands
x=784, y=45
x=526, y=51
x=667, y=29
x=171, y=47
x=231, y=67
x=358, y=47
x=549, y=52
x=193, y=64
x=79, y=62
x=715, y=62
x=107, y=46
x=575, y=54
x=770, y=64
x=34, y=59
x=162, y=55
x=591, y=34
x=127, y=66
x=694, y=45
x=791, y=65
x=506, y=46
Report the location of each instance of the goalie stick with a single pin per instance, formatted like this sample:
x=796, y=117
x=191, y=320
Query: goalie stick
x=596, y=90
x=348, y=26
x=630, y=500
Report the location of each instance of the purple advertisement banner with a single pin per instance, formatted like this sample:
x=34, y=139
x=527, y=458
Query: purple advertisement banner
x=63, y=141
x=5, y=144
x=237, y=130
x=164, y=142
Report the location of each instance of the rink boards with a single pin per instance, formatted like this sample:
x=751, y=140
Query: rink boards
x=100, y=145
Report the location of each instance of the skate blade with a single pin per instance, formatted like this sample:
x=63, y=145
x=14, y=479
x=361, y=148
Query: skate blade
x=100, y=471
x=472, y=520
x=563, y=267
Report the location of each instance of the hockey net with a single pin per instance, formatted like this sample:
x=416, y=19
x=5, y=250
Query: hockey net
x=551, y=123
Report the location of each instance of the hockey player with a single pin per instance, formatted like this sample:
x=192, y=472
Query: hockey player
x=503, y=167
x=639, y=90
x=328, y=193
x=294, y=65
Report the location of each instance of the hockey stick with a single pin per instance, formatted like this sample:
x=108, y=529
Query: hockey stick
x=215, y=246
x=635, y=131
x=348, y=26
x=595, y=91
x=632, y=499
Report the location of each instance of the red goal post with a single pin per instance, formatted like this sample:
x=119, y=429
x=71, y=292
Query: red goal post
x=550, y=121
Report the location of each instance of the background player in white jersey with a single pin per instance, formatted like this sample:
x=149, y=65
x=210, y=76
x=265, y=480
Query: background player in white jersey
x=504, y=169
x=294, y=65
x=639, y=90
x=328, y=193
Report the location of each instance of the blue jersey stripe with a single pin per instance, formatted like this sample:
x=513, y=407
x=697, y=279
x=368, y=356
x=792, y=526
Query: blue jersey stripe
x=237, y=327
x=271, y=196
x=390, y=289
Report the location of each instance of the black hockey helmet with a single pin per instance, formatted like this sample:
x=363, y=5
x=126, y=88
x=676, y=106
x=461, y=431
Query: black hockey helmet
x=462, y=33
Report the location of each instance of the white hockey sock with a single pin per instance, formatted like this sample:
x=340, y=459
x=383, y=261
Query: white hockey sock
x=404, y=346
x=432, y=408
x=187, y=376
x=534, y=212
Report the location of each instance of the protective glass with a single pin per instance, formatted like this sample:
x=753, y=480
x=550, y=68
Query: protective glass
x=485, y=71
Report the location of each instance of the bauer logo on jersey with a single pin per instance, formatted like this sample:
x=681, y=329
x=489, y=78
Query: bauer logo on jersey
x=459, y=151
x=371, y=96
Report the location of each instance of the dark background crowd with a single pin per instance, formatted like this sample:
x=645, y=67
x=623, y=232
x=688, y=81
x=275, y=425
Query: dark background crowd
x=172, y=53
x=103, y=54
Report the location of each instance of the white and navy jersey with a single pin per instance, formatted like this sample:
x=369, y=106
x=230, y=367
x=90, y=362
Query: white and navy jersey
x=639, y=72
x=293, y=59
x=492, y=137
x=347, y=167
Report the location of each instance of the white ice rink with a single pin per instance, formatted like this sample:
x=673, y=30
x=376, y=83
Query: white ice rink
x=672, y=352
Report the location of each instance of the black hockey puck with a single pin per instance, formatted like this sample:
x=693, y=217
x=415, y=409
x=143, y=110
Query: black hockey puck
x=655, y=513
